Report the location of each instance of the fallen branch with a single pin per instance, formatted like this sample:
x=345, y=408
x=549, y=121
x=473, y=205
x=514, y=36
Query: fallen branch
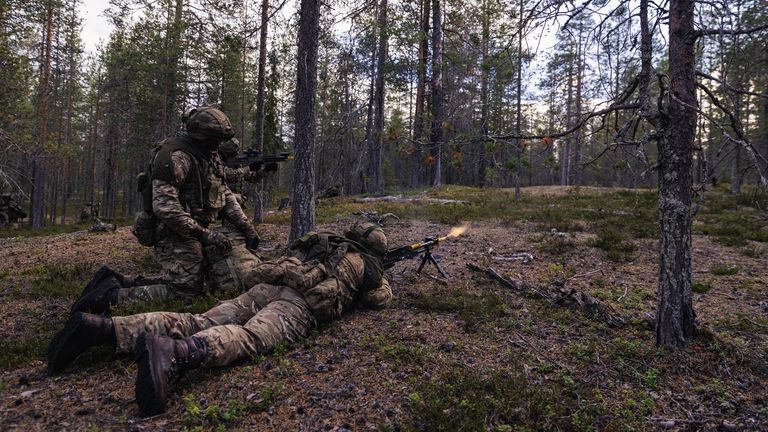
x=400, y=198
x=557, y=293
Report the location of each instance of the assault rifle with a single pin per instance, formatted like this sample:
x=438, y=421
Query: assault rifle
x=255, y=159
x=423, y=248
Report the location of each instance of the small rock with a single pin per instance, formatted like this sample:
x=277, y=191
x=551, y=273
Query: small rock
x=321, y=368
x=427, y=375
x=470, y=360
x=84, y=411
x=728, y=426
x=28, y=393
x=448, y=346
x=667, y=424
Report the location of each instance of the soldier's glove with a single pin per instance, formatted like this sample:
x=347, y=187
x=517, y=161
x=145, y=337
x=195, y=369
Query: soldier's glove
x=270, y=167
x=213, y=238
x=252, y=242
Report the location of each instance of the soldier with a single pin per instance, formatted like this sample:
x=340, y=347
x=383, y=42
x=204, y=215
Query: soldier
x=187, y=196
x=238, y=176
x=10, y=212
x=5, y=209
x=322, y=276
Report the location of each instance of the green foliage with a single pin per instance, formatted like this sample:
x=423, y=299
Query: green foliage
x=615, y=243
x=701, y=287
x=723, y=270
x=754, y=250
x=734, y=220
x=556, y=245
x=467, y=400
x=58, y=280
x=473, y=308
x=215, y=417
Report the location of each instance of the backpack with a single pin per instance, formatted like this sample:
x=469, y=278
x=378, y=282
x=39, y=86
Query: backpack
x=159, y=167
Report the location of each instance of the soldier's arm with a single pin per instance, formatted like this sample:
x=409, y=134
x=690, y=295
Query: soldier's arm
x=235, y=215
x=379, y=297
x=233, y=175
x=165, y=199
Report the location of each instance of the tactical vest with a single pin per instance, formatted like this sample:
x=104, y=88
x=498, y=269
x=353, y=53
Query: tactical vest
x=328, y=248
x=201, y=193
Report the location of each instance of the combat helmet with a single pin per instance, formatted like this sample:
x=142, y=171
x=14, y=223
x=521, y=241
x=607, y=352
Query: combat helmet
x=369, y=235
x=209, y=122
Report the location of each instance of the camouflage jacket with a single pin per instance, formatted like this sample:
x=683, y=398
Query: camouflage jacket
x=187, y=203
x=236, y=177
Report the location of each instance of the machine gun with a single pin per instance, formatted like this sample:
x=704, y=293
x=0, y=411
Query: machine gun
x=423, y=248
x=254, y=159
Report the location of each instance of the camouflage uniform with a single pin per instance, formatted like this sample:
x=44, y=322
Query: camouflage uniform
x=10, y=212
x=298, y=296
x=238, y=176
x=189, y=194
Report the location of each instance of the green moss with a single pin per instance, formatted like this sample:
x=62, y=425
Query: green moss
x=701, y=287
x=723, y=270
x=467, y=400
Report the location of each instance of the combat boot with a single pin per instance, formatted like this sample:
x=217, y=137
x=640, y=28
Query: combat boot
x=160, y=360
x=100, y=292
x=81, y=332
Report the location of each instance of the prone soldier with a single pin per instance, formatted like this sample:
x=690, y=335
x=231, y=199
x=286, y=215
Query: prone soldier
x=322, y=276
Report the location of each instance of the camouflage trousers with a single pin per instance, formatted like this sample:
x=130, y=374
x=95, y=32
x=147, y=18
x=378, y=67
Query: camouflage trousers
x=186, y=263
x=251, y=324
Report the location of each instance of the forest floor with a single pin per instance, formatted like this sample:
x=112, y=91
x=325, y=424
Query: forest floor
x=468, y=354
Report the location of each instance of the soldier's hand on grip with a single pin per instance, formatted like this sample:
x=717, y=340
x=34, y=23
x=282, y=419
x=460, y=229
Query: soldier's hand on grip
x=213, y=238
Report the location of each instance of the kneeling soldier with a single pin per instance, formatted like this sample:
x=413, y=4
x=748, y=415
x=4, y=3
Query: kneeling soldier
x=322, y=276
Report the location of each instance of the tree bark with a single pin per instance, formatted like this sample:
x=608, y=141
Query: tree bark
x=675, y=319
x=436, y=140
x=377, y=184
x=37, y=209
x=173, y=49
x=484, y=69
x=258, y=126
x=519, y=108
x=419, y=116
x=565, y=151
x=303, y=195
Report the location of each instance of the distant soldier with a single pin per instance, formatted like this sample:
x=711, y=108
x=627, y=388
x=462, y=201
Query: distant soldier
x=5, y=209
x=10, y=211
x=85, y=213
x=322, y=276
x=237, y=177
x=186, y=196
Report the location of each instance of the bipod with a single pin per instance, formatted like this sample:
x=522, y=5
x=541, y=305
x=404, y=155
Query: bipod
x=428, y=257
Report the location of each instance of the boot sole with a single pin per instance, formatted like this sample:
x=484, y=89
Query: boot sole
x=85, y=302
x=151, y=402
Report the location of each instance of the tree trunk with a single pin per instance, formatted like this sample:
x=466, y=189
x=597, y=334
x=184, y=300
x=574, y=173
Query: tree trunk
x=565, y=151
x=484, y=69
x=519, y=108
x=575, y=171
x=419, y=116
x=675, y=319
x=37, y=209
x=258, y=126
x=377, y=142
x=303, y=196
x=172, y=53
x=365, y=177
x=436, y=140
